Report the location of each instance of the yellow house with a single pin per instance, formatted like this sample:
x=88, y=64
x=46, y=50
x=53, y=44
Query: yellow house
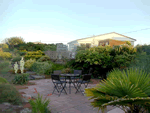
x=112, y=38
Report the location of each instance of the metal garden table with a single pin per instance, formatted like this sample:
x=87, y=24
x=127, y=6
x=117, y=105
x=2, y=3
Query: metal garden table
x=70, y=80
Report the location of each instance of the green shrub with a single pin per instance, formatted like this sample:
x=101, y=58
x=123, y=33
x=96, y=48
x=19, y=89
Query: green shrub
x=67, y=70
x=44, y=58
x=21, y=79
x=29, y=63
x=16, y=59
x=34, y=55
x=40, y=106
x=4, y=67
x=57, y=66
x=5, y=55
x=8, y=93
x=3, y=80
x=129, y=89
x=41, y=67
x=104, y=58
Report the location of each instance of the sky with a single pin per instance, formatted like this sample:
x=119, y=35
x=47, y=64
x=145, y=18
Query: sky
x=62, y=21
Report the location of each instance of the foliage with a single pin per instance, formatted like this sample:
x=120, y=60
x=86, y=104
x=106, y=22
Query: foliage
x=38, y=105
x=8, y=93
x=16, y=59
x=22, y=52
x=4, y=66
x=29, y=63
x=41, y=67
x=4, y=46
x=141, y=61
x=13, y=41
x=67, y=70
x=44, y=58
x=57, y=67
x=105, y=58
x=129, y=89
x=50, y=47
x=3, y=80
x=5, y=55
x=70, y=63
x=143, y=48
x=34, y=55
x=82, y=47
x=35, y=47
x=21, y=79
x=128, y=42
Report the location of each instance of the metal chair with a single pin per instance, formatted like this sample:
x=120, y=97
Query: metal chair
x=85, y=80
x=76, y=72
x=56, y=81
x=59, y=72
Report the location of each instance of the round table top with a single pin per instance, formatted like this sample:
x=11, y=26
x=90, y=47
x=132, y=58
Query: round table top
x=69, y=75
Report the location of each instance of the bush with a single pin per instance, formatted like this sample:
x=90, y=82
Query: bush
x=67, y=70
x=57, y=66
x=21, y=79
x=105, y=58
x=44, y=58
x=8, y=93
x=16, y=59
x=4, y=67
x=128, y=89
x=22, y=52
x=3, y=80
x=34, y=55
x=5, y=55
x=41, y=67
x=29, y=63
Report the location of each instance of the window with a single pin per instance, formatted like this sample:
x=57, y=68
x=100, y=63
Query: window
x=88, y=45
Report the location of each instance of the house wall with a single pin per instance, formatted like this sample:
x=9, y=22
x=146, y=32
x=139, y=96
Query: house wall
x=73, y=46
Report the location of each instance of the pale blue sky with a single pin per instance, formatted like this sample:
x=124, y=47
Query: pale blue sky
x=55, y=21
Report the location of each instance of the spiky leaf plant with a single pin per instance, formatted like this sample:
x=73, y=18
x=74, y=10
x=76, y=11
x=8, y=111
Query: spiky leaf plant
x=128, y=89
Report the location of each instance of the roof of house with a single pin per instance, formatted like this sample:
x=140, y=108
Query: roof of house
x=38, y=43
x=103, y=34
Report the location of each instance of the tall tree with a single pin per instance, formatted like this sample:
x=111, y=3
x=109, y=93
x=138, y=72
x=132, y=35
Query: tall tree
x=13, y=41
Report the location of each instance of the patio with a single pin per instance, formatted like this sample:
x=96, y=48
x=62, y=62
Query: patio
x=70, y=103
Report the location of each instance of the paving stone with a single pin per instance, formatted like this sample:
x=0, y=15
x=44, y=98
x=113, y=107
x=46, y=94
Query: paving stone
x=37, y=77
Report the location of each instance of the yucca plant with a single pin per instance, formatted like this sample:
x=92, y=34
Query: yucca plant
x=128, y=89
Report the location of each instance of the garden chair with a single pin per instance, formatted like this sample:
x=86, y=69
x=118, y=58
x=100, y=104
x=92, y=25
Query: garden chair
x=59, y=72
x=56, y=81
x=85, y=80
x=76, y=72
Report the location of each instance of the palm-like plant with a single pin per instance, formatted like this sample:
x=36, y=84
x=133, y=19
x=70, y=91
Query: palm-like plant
x=128, y=89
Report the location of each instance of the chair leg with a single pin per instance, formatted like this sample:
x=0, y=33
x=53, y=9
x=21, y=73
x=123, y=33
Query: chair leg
x=78, y=87
x=63, y=88
x=55, y=87
x=86, y=85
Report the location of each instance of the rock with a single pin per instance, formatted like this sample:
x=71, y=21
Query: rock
x=9, y=108
x=6, y=103
x=37, y=77
x=26, y=110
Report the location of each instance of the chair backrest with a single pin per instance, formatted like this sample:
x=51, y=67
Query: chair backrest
x=78, y=72
x=86, y=77
x=57, y=72
x=55, y=77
